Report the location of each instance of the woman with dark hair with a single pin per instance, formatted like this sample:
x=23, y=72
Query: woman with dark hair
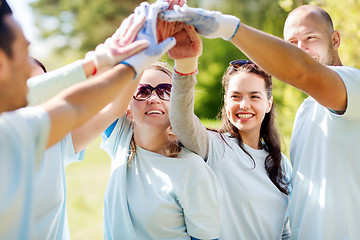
x=245, y=153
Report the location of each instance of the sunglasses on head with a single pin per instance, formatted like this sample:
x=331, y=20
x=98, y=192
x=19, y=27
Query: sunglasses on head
x=239, y=63
x=144, y=91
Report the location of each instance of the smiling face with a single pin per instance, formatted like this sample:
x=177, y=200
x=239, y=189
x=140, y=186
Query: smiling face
x=307, y=28
x=152, y=113
x=246, y=103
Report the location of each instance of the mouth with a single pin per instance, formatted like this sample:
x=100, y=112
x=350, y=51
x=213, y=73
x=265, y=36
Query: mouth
x=154, y=112
x=244, y=116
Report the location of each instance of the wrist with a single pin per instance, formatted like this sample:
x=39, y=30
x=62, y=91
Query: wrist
x=89, y=66
x=186, y=66
x=232, y=24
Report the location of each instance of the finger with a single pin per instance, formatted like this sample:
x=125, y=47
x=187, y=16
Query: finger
x=133, y=30
x=173, y=16
x=130, y=49
x=121, y=31
x=167, y=44
x=142, y=9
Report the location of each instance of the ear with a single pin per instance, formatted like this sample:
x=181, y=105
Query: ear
x=335, y=39
x=128, y=114
x=270, y=103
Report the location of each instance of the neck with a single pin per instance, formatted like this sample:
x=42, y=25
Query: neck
x=251, y=139
x=337, y=60
x=151, y=139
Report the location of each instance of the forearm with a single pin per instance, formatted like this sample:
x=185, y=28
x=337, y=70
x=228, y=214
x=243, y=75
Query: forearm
x=73, y=107
x=186, y=125
x=292, y=65
x=45, y=86
x=86, y=133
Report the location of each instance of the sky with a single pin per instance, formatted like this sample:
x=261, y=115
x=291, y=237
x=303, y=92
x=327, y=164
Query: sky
x=24, y=15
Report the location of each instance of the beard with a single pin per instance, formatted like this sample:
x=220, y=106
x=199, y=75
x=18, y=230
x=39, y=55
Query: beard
x=330, y=56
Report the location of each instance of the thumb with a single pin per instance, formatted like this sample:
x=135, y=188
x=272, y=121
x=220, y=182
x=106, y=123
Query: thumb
x=167, y=44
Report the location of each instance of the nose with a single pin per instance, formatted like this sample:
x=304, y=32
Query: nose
x=153, y=97
x=244, y=104
x=301, y=45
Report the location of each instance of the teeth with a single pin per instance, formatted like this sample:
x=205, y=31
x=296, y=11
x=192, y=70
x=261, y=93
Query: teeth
x=245, y=115
x=154, y=112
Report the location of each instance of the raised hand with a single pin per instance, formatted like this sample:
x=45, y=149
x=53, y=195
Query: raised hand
x=120, y=45
x=188, y=44
x=210, y=24
x=166, y=29
x=155, y=50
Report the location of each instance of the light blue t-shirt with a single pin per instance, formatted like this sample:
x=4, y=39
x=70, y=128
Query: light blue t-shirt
x=23, y=138
x=50, y=185
x=326, y=167
x=50, y=191
x=157, y=197
x=253, y=207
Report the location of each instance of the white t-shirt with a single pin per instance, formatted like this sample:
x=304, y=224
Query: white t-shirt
x=158, y=197
x=23, y=138
x=325, y=203
x=50, y=191
x=253, y=207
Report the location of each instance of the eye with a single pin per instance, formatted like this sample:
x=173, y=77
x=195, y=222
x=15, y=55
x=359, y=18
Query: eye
x=255, y=97
x=310, y=37
x=234, y=96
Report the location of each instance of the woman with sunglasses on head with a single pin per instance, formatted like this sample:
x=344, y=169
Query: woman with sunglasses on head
x=157, y=189
x=245, y=152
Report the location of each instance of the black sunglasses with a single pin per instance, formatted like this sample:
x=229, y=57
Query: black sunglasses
x=144, y=91
x=239, y=63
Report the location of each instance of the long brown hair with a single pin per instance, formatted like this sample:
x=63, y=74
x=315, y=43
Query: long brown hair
x=269, y=136
x=173, y=149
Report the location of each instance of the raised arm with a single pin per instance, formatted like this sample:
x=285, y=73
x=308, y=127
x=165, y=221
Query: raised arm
x=186, y=125
x=106, y=55
x=76, y=105
x=87, y=132
x=279, y=58
x=292, y=65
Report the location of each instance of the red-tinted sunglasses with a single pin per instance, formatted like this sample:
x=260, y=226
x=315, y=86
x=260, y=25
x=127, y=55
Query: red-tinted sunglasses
x=144, y=91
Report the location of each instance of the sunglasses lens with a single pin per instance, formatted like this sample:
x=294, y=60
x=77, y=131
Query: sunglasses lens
x=163, y=91
x=239, y=63
x=142, y=93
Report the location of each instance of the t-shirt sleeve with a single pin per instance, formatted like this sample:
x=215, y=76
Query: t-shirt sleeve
x=351, y=79
x=68, y=151
x=287, y=170
x=112, y=136
x=201, y=201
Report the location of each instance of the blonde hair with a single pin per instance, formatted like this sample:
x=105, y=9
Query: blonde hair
x=173, y=149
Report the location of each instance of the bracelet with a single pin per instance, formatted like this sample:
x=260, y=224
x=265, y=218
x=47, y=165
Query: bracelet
x=185, y=74
x=95, y=71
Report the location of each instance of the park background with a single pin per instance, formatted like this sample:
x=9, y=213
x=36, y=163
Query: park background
x=66, y=29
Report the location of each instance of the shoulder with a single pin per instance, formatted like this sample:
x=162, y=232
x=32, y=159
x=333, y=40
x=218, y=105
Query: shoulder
x=25, y=121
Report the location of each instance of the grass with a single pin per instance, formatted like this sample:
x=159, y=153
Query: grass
x=86, y=183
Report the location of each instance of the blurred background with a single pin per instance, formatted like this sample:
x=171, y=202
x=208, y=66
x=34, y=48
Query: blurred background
x=62, y=31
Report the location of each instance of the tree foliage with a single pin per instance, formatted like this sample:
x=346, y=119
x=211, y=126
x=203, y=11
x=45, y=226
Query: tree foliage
x=83, y=24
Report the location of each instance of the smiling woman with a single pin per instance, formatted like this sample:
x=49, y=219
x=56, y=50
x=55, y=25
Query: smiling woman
x=161, y=185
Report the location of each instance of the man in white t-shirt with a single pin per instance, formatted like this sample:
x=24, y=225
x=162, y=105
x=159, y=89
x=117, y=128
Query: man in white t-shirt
x=326, y=166
x=25, y=132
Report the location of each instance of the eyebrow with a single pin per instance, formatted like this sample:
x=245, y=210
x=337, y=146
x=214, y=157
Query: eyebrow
x=252, y=92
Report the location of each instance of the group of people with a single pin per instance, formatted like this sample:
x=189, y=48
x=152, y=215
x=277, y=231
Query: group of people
x=172, y=178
